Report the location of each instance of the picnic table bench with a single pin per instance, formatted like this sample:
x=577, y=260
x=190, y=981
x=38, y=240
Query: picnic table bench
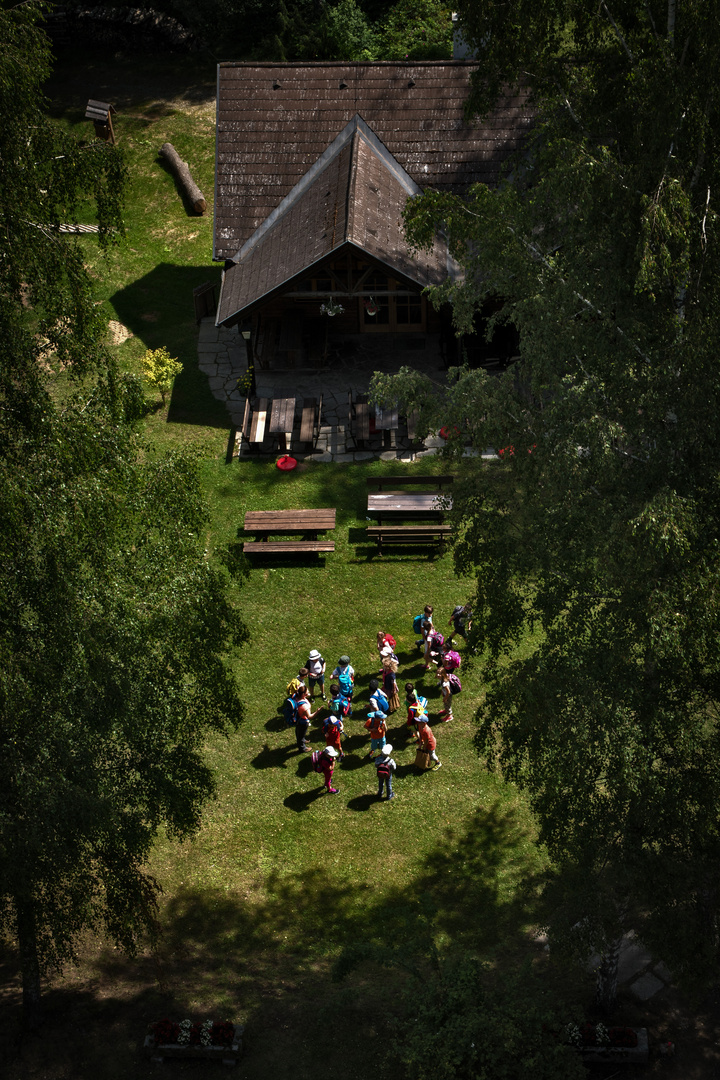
x=404, y=480
x=254, y=421
x=359, y=419
x=306, y=523
x=311, y=420
x=408, y=534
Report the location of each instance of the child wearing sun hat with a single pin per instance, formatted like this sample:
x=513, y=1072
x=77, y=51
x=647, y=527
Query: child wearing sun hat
x=385, y=767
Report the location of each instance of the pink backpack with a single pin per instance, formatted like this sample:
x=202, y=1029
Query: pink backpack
x=451, y=660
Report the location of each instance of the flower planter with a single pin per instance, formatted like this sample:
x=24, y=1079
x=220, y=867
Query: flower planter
x=228, y=1055
x=618, y=1055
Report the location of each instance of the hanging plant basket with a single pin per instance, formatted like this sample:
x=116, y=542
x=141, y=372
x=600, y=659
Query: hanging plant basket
x=331, y=308
x=371, y=307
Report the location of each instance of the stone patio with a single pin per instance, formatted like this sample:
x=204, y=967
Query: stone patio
x=222, y=356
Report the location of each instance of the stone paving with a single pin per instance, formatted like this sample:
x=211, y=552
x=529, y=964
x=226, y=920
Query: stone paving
x=222, y=356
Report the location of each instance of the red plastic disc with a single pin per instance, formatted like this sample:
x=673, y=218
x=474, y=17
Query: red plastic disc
x=286, y=463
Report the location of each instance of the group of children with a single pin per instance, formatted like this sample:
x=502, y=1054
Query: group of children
x=384, y=700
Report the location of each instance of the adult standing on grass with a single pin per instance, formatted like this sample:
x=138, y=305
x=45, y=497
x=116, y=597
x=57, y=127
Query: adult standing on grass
x=304, y=716
x=316, y=672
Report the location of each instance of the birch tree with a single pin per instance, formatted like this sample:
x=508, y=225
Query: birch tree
x=599, y=528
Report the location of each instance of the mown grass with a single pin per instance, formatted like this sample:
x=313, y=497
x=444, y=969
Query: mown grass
x=258, y=906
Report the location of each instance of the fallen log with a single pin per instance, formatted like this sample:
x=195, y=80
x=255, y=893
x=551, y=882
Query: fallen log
x=182, y=174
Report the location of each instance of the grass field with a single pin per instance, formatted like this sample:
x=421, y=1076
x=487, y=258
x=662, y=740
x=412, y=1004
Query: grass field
x=280, y=878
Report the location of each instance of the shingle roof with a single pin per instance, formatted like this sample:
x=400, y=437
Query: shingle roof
x=275, y=120
x=354, y=194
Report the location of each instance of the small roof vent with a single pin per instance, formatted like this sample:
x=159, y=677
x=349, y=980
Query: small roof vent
x=411, y=83
x=342, y=84
x=276, y=84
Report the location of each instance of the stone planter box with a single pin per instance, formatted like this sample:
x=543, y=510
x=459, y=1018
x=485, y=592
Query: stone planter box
x=618, y=1055
x=228, y=1055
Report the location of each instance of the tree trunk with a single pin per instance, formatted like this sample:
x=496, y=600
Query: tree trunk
x=607, y=976
x=30, y=967
x=182, y=174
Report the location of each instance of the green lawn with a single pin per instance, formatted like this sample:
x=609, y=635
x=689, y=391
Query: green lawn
x=258, y=906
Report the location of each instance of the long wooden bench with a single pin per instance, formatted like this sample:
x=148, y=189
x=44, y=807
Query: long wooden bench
x=408, y=534
x=259, y=421
x=381, y=482
x=311, y=420
x=286, y=547
x=359, y=419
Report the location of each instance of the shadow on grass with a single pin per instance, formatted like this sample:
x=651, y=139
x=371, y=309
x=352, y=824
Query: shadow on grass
x=362, y=802
x=262, y=957
x=302, y=800
x=273, y=759
x=158, y=308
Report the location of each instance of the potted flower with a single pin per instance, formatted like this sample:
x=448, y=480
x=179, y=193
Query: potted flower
x=371, y=307
x=209, y=1039
x=331, y=308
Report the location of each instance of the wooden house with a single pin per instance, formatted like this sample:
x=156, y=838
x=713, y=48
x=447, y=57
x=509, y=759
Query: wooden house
x=314, y=166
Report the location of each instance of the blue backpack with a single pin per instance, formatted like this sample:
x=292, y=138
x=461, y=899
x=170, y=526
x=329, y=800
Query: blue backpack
x=382, y=702
x=417, y=623
x=345, y=681
x=290, y=708
x=340, y=707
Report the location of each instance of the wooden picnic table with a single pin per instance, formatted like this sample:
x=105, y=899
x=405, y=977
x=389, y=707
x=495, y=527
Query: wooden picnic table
x=427, y=505
x=282, y=418
x=265, y=522
x=386, y=419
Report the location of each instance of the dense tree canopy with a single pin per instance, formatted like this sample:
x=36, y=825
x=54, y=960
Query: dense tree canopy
x=114, y=625
x=600, y=528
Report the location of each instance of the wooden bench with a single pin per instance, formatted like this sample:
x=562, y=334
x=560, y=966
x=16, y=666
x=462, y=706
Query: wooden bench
x=286, y=547
x=359, y=418
x=311, y=420
x=408, y=534
x=259, y=421
x=381, y=482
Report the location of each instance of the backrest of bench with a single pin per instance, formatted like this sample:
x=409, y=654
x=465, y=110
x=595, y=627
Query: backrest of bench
x=395, y=481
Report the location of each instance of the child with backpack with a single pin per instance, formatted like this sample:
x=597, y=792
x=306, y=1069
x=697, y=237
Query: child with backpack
x=427, y=629
x=444, y=677
x=419, y=624
x=378, y=698
x=436, y=646
x=344, y=674
x=451, y=660
x=386, y=646
x=428, y=742
x=416, y=706
x=323, y=761
x=316, y=673
x=339, y=705
x=294, y=685
x=461, y=621
x=385, y=767
x=389, y=683
x=377, y=727
x=333, y=730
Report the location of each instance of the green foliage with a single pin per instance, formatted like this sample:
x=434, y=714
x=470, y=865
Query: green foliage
x=115, y=627
x=160, y=368
x=345, y=33
x=460, y=1018
x=417, y=30
x=600, y=531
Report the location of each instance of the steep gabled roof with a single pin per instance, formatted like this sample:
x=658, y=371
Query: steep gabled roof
x=275, y=120
x=354, y=194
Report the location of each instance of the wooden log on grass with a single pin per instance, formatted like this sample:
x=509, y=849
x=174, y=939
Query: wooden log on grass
x=181, y=172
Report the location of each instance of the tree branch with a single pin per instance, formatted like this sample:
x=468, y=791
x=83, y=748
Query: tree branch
x=619, y=36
